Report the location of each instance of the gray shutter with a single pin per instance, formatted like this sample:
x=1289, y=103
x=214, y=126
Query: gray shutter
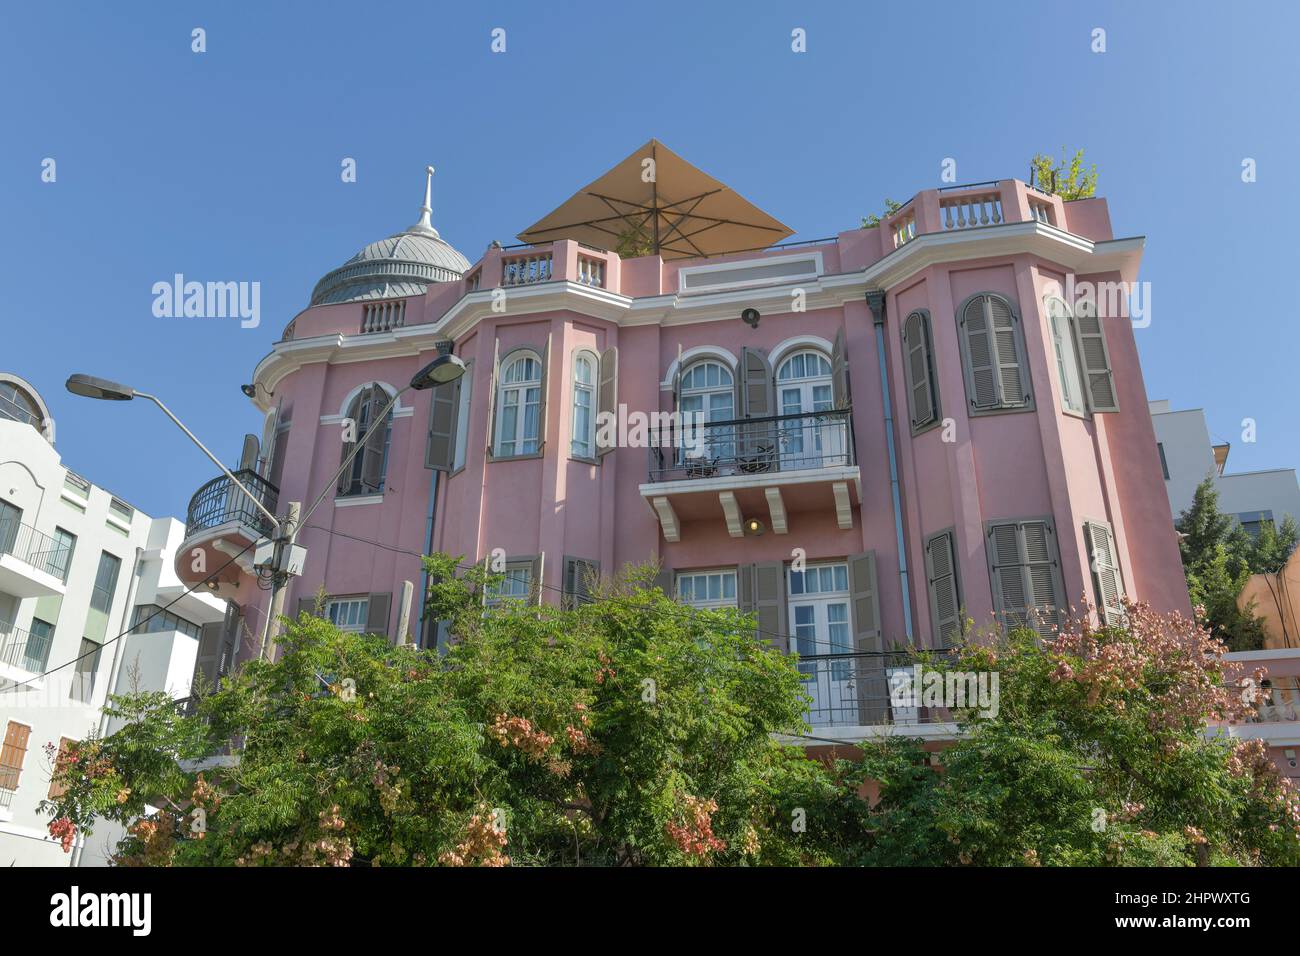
x=372, y=457
x=920, y=395
x=864, y=603
x=1025, y=574
x=542, y=413
x=492, y=399
x=840, y=391
x=945, y=595
x=755, y=384
x=444, y=412
x=1058, y=317
x=769, y=603
x=306, y=605
x=1105, y=572
x=977, y=340
x=377, y=610
x=354, y=413
x=211, y=638
x=229, y=639
x=249, y=452
x=1090, y=339
x=664, y=582
x=607, y=396
x=578, y=574
x=1012, y=376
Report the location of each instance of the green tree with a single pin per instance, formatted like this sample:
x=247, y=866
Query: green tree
x=1217, y=559
x=626, y=731
x=891, y=207
x=1067, y=178
x=1097, y=755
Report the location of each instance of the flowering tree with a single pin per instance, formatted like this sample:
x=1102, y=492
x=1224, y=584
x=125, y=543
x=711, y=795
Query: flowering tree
x=1098, y=755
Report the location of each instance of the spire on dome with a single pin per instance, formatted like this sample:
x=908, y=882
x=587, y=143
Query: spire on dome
x=425, y=225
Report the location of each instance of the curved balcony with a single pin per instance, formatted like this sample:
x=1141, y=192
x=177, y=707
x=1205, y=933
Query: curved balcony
x=220, y=523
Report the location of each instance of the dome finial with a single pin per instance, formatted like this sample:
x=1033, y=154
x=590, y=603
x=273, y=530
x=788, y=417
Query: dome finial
x=425, y=225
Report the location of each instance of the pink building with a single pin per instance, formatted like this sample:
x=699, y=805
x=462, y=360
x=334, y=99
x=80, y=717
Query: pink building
x=912, y=410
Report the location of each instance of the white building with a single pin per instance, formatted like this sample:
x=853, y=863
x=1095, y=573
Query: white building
x=1187, y=455
x=78, y=567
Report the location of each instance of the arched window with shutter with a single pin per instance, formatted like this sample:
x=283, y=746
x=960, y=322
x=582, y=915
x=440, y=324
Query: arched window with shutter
x=918, y=361
x=993, y=355
x=519, y=405
x=370, y=466
x=583, y=439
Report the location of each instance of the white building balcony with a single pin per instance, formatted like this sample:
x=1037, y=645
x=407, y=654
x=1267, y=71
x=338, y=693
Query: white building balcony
x=775, y=467
x=32, y=564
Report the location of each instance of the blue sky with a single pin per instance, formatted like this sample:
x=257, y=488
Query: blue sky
x=225, y=166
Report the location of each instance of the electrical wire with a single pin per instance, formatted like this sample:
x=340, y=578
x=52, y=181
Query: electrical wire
x=134, y=627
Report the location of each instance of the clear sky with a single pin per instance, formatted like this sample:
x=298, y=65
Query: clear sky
x=225, y=166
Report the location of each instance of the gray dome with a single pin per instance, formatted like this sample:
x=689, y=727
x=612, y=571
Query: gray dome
x=403, y=264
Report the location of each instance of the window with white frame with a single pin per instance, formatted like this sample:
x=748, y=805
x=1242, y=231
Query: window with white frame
x=584, y=420
x=348, y=614
x=820, y=624
x=516, y=584
x=519, y=404
x=706, y=394
x=1067, y=357
x=706, y=589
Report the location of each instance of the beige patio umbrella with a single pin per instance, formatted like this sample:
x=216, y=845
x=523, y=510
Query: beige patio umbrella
x=666, y=206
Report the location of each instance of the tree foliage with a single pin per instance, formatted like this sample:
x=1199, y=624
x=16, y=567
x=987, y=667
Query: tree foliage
x=1067, y=178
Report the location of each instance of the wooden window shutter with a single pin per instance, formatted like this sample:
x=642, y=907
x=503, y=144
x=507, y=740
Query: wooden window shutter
x=60, y=763
x=1012, y=377
x=920, y=381
x=607, y=399
x=444, y=413
x=578, y=576
x=354, y=413
x=377, y=615
x=769, y=603
x=945, y=593
x=1025, y=574
x=372, y=458
x=977, y=342
x=494, y=382
x=12, y=754
x=1106, y=579
x=664, y=582
x=1094, y=357
x=211, y=638
x=755, y=384
x=841, y=393
x=864, y=606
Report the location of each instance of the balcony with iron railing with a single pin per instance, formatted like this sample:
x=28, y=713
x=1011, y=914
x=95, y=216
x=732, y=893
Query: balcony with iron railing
x=24, y=650
x=221, y=521
x=32, y=564
x=775, y=466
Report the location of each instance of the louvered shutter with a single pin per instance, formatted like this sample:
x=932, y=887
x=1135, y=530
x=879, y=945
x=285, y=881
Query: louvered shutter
x=494, y=384
x=1025, y=574
x=230, y=628
x=1094, y=357
x=542, y=413
x=209, y=655
x=945, y=596
x=664, y=582
x=1062, y=326
x=354, y=413
x=1106, y=578
x=372, y=458
x=920, y=391
x=864, y=606
x=578, y=575
x=12, y=754
x=755, y=384
x=841, y=393
x=1012, y=377
x=981, y=371
x=607, y=400
x=377, y=613
x=769, y=603
x=444, y=414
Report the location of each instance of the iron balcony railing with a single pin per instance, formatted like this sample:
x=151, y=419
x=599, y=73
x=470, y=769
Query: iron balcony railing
x=6, y=792
x=35, y=548
x=19, y=648
x=220, y=502
x=864, y=690
x=687, y=448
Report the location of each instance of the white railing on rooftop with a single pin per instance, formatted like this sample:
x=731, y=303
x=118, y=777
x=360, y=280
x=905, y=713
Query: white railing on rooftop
x=967, y=212
x=591, y=271
x=526, y=270
x=383, y=316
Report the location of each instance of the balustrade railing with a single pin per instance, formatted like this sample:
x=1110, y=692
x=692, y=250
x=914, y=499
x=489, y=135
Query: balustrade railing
x=526, y=270
x=969, y=211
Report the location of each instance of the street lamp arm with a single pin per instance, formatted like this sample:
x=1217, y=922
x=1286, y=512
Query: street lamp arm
x=216, y=461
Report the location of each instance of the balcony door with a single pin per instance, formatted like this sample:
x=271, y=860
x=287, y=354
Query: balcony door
x=707, y=394
x=820, y=630
x=10, y=517
x=803, y=383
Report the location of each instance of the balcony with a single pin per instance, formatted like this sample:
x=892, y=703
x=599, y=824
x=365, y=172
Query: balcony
x=220, y=522
x=776, y=466
x=23, y=650
x=32, y=564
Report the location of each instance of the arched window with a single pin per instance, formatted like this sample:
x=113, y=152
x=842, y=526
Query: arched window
x=804, y=387
x=993, y=350
x=583, y=443
x=17, y=405
x=370, y=466
x=707, y=393
x=918, y=361
x=519, y=406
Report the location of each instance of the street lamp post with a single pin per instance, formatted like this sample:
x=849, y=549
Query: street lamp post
x=446, y=368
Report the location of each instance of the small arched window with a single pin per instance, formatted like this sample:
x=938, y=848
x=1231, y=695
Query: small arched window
x=918, y=361
x=708, y=389
x=370, y=467
x=519, y=406
x=583, y=443
x=993, y=350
